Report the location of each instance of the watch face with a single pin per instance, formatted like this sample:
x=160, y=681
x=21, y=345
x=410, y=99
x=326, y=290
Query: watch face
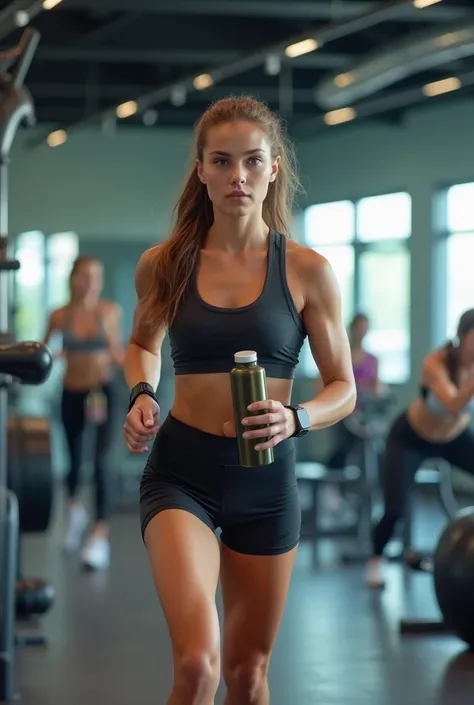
x=303, y=418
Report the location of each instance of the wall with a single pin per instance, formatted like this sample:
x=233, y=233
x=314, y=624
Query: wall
x=111, y=188
x=433, y=148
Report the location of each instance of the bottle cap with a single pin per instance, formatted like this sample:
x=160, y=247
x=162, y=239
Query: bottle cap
x=245, y=356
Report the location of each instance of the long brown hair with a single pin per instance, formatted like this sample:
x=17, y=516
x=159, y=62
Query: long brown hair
x=176, y=259
x=465, y=325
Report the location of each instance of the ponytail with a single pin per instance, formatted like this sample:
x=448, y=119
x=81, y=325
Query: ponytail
x=452, y=361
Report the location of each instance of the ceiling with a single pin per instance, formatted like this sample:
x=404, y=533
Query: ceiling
x=97, y=54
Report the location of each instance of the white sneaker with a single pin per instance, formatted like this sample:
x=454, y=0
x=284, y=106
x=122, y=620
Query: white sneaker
x=374, y=574
x=77, y=524
x=96, y=553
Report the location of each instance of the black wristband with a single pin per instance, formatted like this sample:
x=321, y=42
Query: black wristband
x=141, y=388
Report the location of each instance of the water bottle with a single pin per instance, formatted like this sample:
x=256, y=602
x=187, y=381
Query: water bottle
x=249, y=384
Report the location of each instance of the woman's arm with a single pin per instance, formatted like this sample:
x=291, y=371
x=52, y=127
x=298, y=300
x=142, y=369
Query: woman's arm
x=331, y=351
x=436, y=378
x=143, y=353
x=329, y=344
x=54, y=325
x=113, y=331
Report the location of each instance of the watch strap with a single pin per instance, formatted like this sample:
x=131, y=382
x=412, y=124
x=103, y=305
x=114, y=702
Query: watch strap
x=141, y=388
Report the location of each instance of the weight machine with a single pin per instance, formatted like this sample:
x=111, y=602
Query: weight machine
x=27, y=362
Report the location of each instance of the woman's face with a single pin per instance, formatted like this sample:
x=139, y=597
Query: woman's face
x=237, y=167
x=467, y=345
x=360, y=330
x=88, y=279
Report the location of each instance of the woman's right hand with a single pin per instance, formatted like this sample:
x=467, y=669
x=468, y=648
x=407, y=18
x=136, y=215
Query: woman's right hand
x=141, y=424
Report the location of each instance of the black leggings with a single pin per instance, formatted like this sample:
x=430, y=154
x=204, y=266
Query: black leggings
x=344, y=444
x=404, y=453
x=73, y=417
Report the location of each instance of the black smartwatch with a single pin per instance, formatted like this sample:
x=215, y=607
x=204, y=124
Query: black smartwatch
x=302, y=420
x=141, y=388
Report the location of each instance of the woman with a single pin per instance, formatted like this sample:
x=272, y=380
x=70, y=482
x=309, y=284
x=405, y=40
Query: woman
x=365, y=368
x=435, y=425
x=91, y=335
x=227, y=280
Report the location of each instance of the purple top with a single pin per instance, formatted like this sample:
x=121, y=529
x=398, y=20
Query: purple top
x=365, y=371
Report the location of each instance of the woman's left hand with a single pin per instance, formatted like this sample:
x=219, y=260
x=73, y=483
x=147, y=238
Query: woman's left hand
x=278, y=420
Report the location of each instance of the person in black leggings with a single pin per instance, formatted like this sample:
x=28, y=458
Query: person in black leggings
x=91, y=346
x=434, y=425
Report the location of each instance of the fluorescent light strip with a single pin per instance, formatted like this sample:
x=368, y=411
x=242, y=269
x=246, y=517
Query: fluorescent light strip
x=421, y=4
x=300, y=48
x=49, y=4
x=127, y=109
x=444, y=86
x=57, y=138
x=203, y=81
x=337, y=117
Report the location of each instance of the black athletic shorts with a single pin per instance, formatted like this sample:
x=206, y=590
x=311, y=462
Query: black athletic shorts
x=257, y=509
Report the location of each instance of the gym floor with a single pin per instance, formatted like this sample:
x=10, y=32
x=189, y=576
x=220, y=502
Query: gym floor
x=338, y=643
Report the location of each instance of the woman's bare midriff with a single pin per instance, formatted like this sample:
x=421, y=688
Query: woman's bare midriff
x=433, y=428
x=205, y=401
x=87, y=371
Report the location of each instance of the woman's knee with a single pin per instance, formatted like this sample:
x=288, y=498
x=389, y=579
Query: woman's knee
x=197, y=671
x=246, y=676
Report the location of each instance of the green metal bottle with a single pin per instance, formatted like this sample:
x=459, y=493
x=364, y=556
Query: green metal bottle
x=249, y=384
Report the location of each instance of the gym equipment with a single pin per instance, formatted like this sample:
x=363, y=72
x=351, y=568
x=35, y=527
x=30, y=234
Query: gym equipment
x=452, y=569
x=30, y=475
x=369, y=423
x=26, y=362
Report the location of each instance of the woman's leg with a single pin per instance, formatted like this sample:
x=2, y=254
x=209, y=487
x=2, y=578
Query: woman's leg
x=254, y=590
x=184, y=557
x=96, y=553
x=401, y=460
x=73, y=420
x=460, y=451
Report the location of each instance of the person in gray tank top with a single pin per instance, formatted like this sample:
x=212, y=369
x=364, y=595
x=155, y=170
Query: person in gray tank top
x=91, y=348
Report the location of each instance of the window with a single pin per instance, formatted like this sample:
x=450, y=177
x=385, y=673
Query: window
x=30, y=314
x=367, y=245
x=456, y=243
x=63, y=248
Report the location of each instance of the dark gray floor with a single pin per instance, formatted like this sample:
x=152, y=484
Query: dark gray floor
x=338, y=644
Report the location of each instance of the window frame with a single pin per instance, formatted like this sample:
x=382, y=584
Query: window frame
x=360, y=248
x=440, y=239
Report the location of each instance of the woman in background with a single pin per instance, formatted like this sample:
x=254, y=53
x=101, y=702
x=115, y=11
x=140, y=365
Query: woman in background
x=91, y=335
x=365, y=368
x=435, y=425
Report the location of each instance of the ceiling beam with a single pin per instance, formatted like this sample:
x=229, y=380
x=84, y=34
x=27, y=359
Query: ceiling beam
x=325, y=10
x=178, y=57
x=122, y=91
x=8, y=14
x=400, y=100
x=386, y=11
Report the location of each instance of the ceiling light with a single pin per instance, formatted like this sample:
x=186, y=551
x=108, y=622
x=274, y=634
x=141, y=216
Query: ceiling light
x=444, y=86
x=337, y=117
x=127, y=109
x=49, y=4
x=344, y=80
x=203, y=81
x=420, y=4
x=21, y=18
x=272, y=65
x=300, y=48
x=57, y=138
x=150, y=117
x=178, y=96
